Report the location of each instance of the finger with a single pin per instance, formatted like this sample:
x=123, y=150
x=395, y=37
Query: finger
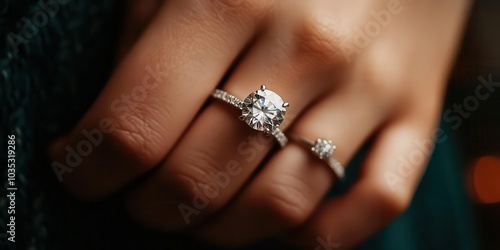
x=384, y=188
x=152, y=97
x=292, y=184
x=138, y=15
x=197, y=180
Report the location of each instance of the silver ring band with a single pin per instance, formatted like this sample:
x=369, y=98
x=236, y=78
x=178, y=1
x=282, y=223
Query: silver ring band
x=324, y=150
x=227, y=98
x=236, y=102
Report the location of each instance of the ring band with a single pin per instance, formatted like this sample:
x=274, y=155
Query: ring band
x=324, y=150
x=262, y=110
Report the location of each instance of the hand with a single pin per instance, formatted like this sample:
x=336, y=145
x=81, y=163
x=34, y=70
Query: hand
x=351, y=70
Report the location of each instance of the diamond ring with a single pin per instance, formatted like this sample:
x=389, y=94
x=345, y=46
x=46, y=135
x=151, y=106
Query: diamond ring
x=324, y=150
x=263, y=110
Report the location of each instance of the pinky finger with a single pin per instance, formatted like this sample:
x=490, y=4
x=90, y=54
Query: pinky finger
x=384, y=189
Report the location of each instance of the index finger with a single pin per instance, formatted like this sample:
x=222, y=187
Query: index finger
x=152, y=97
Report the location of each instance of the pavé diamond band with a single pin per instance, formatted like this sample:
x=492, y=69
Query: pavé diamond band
x=324, y=150
x=263, y=110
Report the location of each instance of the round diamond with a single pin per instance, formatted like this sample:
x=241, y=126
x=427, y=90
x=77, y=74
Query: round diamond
x=323, y=148
x=263, y=110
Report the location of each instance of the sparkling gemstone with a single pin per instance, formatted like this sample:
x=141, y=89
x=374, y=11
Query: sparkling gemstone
x=323, y=148
x=263, y=110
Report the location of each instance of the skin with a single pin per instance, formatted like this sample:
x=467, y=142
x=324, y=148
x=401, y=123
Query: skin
x=389, y=91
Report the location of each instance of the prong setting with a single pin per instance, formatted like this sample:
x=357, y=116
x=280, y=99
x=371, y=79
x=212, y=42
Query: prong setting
x=323, y=148
x=262, y=110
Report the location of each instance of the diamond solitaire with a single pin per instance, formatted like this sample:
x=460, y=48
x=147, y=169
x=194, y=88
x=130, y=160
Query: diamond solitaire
x=263, y=110
x=323, y=148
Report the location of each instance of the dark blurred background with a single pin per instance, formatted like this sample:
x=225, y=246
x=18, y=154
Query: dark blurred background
x=479, y=134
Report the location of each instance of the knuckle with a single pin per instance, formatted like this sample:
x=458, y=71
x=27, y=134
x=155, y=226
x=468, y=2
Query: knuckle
x=381, y=88
x=287, y=203
x=384, y=83
x=320, y=39
x=196, y=178
x=130, y=144
x=138, y=135
x=233, y=10
x=257, y=8
x=390, y=203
